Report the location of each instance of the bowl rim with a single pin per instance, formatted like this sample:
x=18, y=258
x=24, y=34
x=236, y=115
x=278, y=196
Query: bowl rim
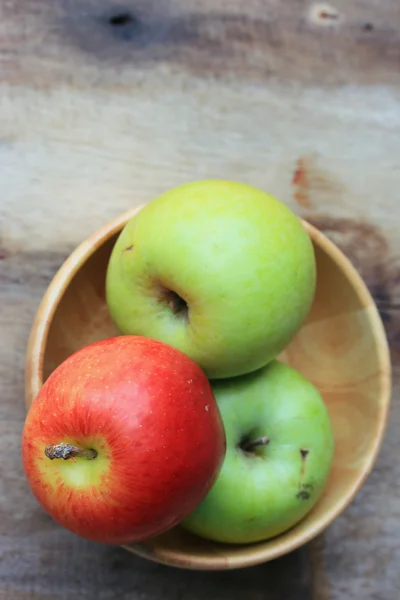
x=34, y=380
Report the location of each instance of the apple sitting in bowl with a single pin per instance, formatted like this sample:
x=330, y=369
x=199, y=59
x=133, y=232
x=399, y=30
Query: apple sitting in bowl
x=278, y=458
x=220, y=270
x=123, y=440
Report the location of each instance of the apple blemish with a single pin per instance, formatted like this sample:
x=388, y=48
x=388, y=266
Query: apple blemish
x=305, y=491
x=304, y=453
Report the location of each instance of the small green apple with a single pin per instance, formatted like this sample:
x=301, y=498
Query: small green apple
x=279, y=455
x=220, y=270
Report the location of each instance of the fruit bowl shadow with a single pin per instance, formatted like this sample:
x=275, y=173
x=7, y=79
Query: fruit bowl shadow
x=341, y=348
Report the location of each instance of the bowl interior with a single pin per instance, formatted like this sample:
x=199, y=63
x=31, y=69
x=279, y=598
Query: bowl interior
x=341, y=348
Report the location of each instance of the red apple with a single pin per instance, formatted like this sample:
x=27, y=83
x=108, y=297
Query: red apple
x=124, y=440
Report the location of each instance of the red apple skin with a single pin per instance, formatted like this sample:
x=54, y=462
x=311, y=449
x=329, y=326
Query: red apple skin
x=151, y=415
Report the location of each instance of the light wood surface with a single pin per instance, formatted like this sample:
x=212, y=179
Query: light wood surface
x=97, y=118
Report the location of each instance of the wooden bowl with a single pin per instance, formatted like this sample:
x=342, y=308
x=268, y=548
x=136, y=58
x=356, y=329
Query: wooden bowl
x=341, y=348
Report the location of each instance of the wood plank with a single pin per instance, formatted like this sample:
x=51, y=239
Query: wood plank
x=44, y=41
x=103, y=106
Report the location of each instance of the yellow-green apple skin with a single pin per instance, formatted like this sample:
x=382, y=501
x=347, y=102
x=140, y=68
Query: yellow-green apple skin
x=263, y=490
x=220, y=270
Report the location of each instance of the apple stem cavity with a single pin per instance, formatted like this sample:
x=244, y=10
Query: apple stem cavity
x=250, y=445
x=67, y=451
x=177, y=304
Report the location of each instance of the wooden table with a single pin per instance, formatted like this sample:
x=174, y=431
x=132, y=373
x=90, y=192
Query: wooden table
x=106, y=104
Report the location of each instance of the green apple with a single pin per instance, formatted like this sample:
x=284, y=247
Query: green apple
x=220, y=270
x=279, y=456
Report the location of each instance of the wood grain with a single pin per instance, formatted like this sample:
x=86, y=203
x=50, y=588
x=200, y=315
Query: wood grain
x=216, y=38
x=95, y=120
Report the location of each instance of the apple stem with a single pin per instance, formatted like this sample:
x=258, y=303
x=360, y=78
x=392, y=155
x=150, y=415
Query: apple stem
x=250, y=444
x=67, y=451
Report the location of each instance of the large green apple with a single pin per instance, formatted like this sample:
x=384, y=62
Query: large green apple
x=279, y=455
x=220, y=270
